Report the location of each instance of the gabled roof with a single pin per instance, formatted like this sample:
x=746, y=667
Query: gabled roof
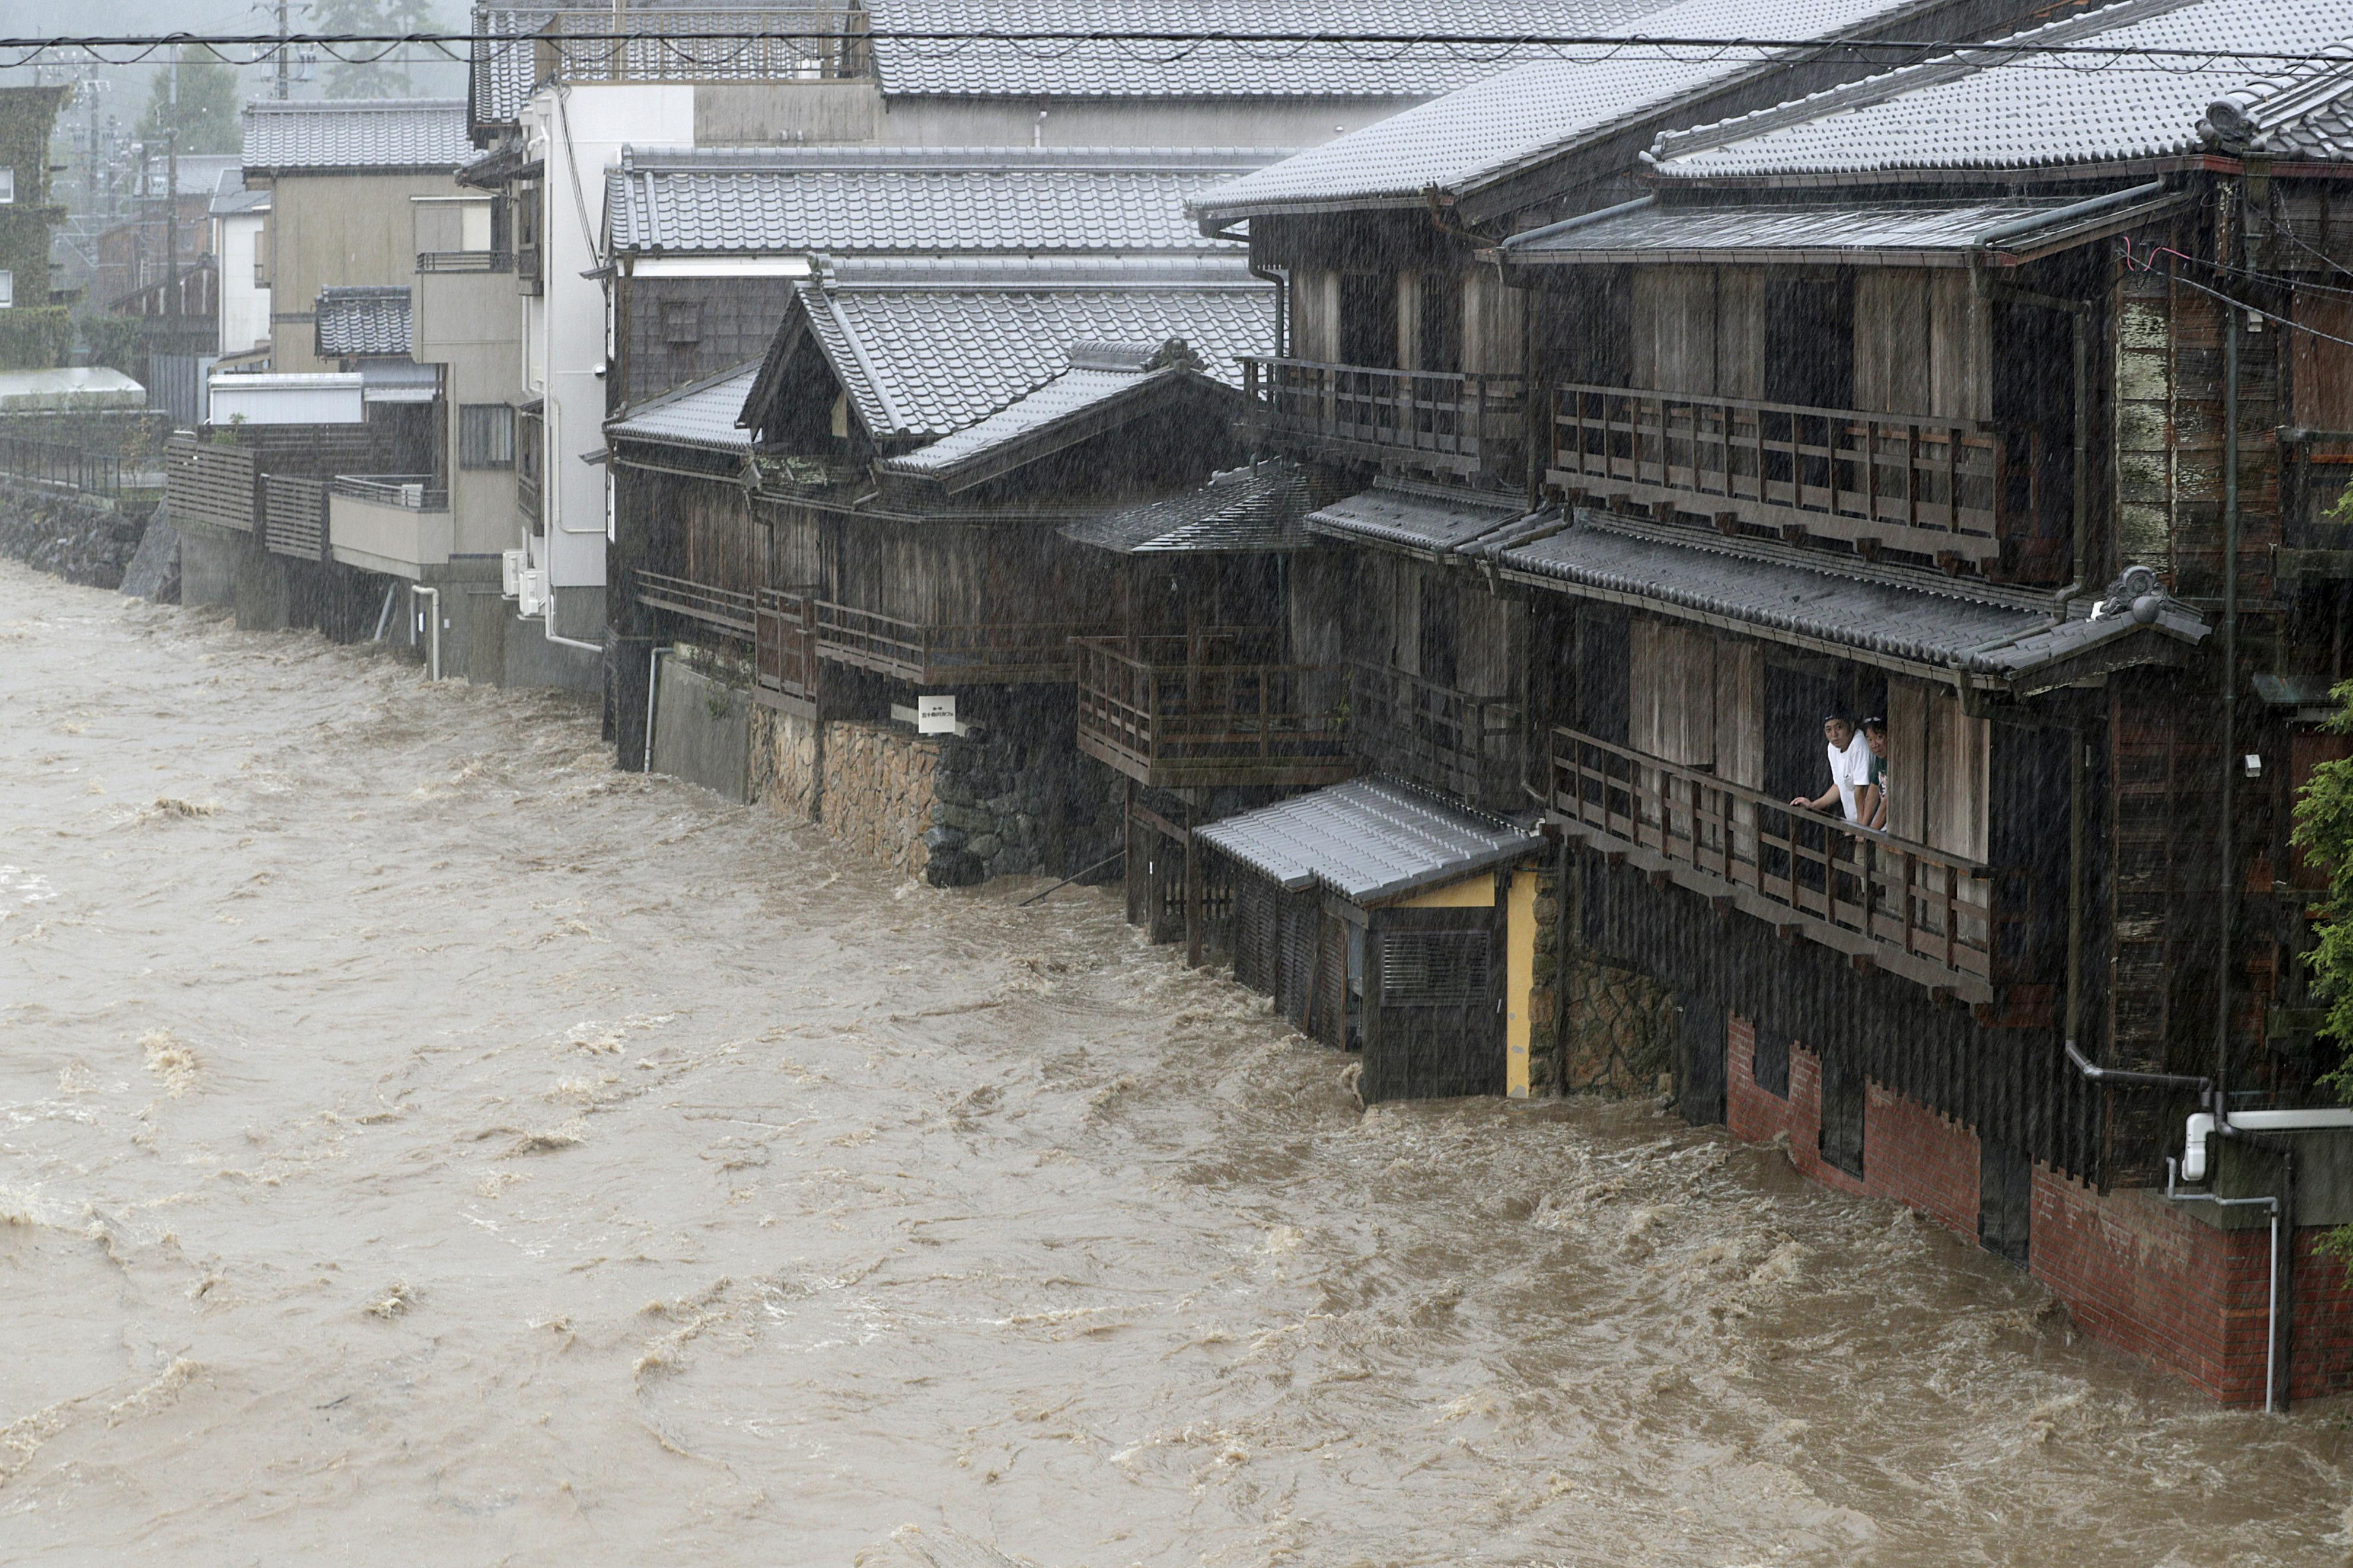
x=367, y=319
x=1106, y=385
x=1260, y=507
x=1218, y=69
x=499, y=73
x=1543, y=110
x=852, y=200
x=925, y=350
x=700, y=414
x=2305, y=114
x=355, y=135
x=1369, y=840
x=1997, y=112
x=1910, y=617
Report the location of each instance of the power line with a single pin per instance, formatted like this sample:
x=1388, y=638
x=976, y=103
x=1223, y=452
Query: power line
x=1616, y=44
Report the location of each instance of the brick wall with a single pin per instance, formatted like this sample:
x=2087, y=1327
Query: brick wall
x=2146, y=1277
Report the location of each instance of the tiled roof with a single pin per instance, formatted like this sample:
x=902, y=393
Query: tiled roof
x=1908, y=615
x=230, y=196
x=1539, y=111
x=1408, y=517
x=2305, y=114
x=1999, y=111
x=1103, y=378
x=498, y=74
x=1827, y=233
x=952, y=347
x=1116, y=68
x=1367, y=840
x=355, y=134
x=847, y=200
x=1254, y=509
x=700, y=414
x=365, y=320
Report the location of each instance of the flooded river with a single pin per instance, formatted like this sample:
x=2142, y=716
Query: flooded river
x=419, y=1143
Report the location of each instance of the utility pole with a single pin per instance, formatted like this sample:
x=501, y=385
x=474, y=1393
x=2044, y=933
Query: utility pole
x=283, y=85
x=171, y=201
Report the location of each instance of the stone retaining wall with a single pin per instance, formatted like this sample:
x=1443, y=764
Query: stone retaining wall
x=83, y=539
x=1617, y=1027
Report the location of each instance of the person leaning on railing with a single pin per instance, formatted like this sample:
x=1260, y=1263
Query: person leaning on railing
x=1850, y=781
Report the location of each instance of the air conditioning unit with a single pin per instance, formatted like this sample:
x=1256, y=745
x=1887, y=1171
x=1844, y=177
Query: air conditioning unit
x=531, y=596
x=510, y=573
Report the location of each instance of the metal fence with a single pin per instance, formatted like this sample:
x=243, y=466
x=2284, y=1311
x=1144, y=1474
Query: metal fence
x=60, y=464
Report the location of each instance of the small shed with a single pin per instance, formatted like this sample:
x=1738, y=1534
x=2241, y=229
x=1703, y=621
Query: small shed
x=1386, y=919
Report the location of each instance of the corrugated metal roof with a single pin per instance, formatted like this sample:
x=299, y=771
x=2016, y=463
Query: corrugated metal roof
x=1905, y=233
x=945, y=353
x=700, y=414
x=1116, y=68
x=367, y=319
x=1539, y=111
x=1260, y=507
x=1368, y=840
x=1913, y=616
x=845, y=200
x=2004, y=111
x=1431, y=519
x=355, y=134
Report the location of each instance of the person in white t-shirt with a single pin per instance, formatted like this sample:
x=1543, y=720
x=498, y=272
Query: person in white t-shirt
x=1850, y=759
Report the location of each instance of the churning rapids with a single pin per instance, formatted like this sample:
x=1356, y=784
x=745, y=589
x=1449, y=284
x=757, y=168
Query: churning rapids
x=421, y=1144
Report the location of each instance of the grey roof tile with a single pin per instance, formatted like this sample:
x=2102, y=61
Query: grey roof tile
x=1900, y=233
x=1101, y=376
x=1912, y=615
x=700, y=414
x=852, y=200
x=2305, y=114
x=499, y=73
x=1536, y=112
x=356, y=134
x=939, y=349
x=1260, y=507
x=1997, y=112
x=364, y=320
x=1367, y=840
x=1430, y=520
x=1116, y=68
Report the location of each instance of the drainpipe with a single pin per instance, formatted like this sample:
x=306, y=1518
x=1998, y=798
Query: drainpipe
x=433, y=629
x=653, y=698
x=2272, y=1392
x=2227, y=911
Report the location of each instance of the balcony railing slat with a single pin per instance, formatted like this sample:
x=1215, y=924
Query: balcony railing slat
x=1463, y=422
x=1212, y=706
x=1928, y=906
x=947, y=653
x=1459, y=743
x=726, y=609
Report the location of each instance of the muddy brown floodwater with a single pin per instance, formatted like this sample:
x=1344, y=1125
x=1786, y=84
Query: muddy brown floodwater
x=419, y=1143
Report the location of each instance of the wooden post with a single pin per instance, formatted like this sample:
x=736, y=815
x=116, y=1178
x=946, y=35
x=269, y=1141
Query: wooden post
x=1194, y=934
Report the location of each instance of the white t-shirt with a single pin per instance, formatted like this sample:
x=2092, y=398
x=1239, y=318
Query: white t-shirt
x=1851, y=770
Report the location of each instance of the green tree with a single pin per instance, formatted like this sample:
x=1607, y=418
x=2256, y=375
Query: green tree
x=367, y=77
x=205, y=120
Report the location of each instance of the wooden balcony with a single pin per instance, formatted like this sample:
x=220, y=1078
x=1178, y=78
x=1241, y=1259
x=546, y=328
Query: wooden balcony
x=1214, y=707
x=206, y=483
x=728, y=610
x=784, y=649
x=1434, y=735
x=945, y=654
x=1945, y=488
x=1457, y=424
x=1911, y=909
x=294, y=517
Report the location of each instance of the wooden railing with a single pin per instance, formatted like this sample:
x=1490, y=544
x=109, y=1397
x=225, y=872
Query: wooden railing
x=1451, y=422
x=1460, y=744
x=785, y=644
x=1923, y=910
x=796, y=43
x=204, y=482
x=945, y=654
x=726, y=609
x=294, y=516
x=1910, y=481
x=1211, y=707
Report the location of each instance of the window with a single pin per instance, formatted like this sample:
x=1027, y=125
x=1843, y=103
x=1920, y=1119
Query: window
x=1369, y=319
x=681, y=323
x=485, y=435
x=7, y=290
x=1842, y=1115
x=7, y=185
x=1769, y=1061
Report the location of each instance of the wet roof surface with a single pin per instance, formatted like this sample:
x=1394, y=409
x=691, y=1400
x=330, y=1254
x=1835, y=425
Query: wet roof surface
x=1367, y=840
x=357, y=134
x=1414, y=518
x=1255, y=508
x=365, y=319
x=1791, y=232
x=700, y=414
